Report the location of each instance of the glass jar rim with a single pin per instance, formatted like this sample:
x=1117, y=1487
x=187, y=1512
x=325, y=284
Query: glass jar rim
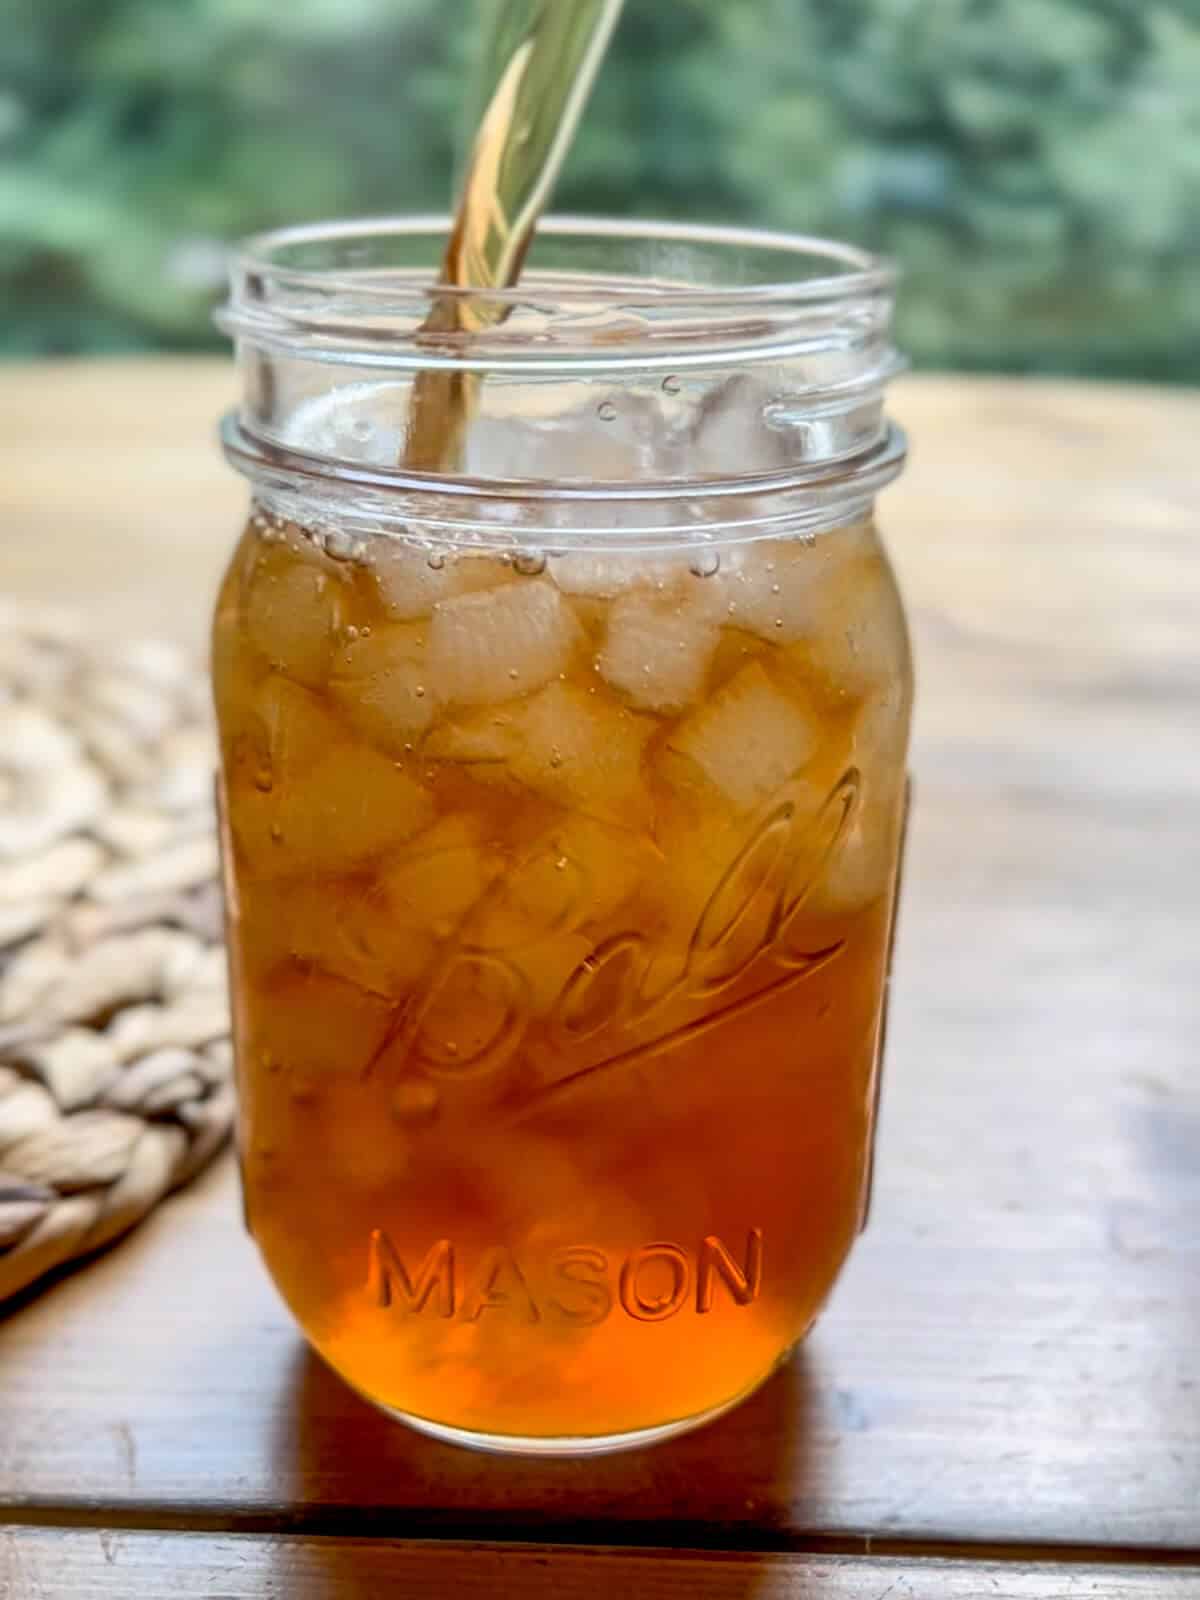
x=595, y=292
x=640, y=307
x=854, y=270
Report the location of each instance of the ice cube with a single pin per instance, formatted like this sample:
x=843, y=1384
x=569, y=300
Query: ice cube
x=862, y=863
x=750, y=738
x=505, y=642
x=294, y=605
x=342, y=925
x=311, y=1025
x=380, y=684
x=541, y=896
x=734, y=650
x=314, y=1039
x=696, y=837
x=273, y=737
x=572, y=875
x=364, y=942
x=565, y=433
x=861, y=866
x=594, y=575
x=279, y=728
x=769, y=588
x=861, y=645
x=655, y=653
x=854, y=875
x=571, y=746
x=348, y=806
x=879, y=736
x=481, y=740
x=440, y=876
x=581, y=751
x=611, y=861
x=354, y=804
x=710, y=909
x=603, y=574
x=355, y=420
x=730, y=435
x=410, y=580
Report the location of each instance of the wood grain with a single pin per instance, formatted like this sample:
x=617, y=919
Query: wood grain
x=108, y=1565
x=113, y=491
x=1010, y=1357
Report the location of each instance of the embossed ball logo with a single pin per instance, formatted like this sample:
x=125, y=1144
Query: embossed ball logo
x=746, y=930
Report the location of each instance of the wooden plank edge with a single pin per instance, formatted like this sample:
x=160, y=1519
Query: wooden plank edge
x=121, y=1564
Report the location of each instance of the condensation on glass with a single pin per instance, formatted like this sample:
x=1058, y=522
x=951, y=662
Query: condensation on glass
x=562, y=805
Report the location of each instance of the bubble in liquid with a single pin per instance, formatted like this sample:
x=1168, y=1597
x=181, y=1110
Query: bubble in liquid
x=276, y=832
x=606, y=411
x=419, y=691
x=774, y=588
x=530, y=563
x=671, y=385
x=350, y=633
x=556, y=759
x=339, y=545
x=705, y=564
x=435, y=561
x=264, y=779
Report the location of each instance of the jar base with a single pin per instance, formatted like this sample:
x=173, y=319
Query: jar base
x=588, y=1444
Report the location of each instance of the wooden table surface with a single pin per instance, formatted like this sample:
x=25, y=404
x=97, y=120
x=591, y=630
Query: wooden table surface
x=1004, y=1396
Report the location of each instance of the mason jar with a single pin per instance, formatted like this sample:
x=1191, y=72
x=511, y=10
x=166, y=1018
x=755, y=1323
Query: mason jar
x=562, y=790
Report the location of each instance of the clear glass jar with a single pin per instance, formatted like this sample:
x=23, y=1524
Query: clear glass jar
x=562, y=803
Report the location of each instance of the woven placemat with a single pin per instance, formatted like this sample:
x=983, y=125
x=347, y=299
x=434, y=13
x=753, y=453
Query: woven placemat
x=115, y=1061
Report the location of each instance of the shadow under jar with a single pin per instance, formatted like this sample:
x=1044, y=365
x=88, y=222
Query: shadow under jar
x=562, y=800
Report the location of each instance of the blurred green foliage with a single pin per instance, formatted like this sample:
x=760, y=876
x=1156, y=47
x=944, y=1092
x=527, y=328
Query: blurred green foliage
x=1033, y=164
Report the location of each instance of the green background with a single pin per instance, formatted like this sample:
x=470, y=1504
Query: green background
x=1033, y=164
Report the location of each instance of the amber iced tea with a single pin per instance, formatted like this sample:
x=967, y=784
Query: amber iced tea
x=560, y=893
